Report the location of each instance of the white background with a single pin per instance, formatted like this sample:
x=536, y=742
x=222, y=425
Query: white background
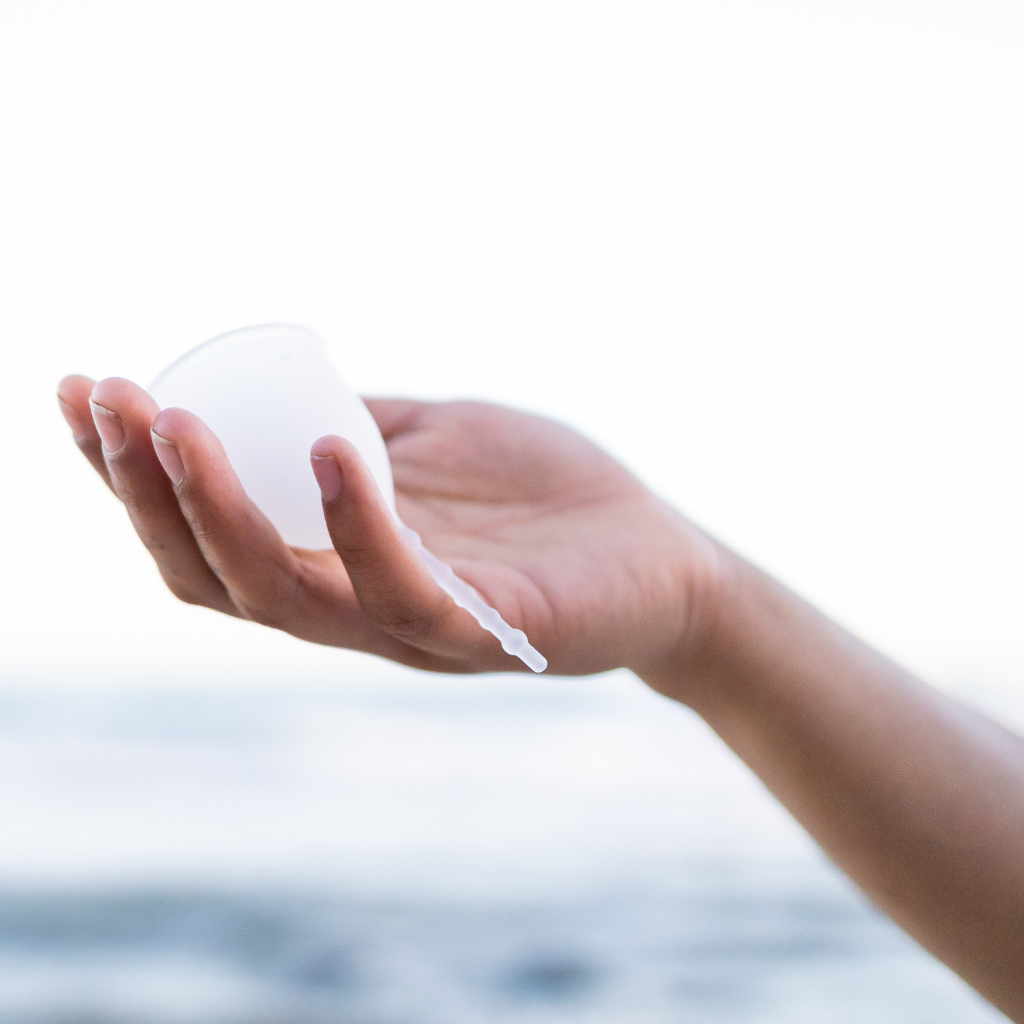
x=769, y=254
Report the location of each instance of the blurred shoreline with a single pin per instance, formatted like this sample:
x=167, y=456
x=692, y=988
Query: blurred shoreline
x=498, y=850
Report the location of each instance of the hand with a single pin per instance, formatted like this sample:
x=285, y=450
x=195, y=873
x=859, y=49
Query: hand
x=557, y=536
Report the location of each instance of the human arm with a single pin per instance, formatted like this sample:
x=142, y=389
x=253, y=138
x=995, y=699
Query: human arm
x=918, y=799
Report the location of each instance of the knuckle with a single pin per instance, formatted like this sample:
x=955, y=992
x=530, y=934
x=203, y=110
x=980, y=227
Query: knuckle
x=401, y=622
x=187, y=591
x=270, y=605
x=404, y=622
x=121, y=486
x=88, y=446
x=198, y=523
x=187, y=595
x=358, y=558
x=261, y=614
x=134, y=492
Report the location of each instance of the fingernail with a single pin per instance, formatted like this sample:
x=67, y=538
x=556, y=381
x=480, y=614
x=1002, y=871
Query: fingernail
x=169, y=458
x=108, y=426
x=73, y=421
x=328, y=475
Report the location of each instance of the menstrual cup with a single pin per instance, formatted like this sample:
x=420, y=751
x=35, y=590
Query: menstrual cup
x=268, y=393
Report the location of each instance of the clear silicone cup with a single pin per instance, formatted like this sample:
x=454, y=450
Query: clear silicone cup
x=268, y=393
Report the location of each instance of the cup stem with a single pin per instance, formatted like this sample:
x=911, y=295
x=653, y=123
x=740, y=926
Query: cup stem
x=513, y=641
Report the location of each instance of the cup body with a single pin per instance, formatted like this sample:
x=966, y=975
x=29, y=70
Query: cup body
x=268, y=393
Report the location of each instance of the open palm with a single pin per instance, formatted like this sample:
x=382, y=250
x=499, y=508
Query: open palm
x=557, y=536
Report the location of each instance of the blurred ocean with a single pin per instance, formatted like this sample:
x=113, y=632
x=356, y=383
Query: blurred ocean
x=415, y=850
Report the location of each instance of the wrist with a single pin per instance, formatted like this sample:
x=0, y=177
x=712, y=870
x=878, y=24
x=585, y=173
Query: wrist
x=750, y=643
x=708, y=576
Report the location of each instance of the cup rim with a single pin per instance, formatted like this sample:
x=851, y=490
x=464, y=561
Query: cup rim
x=229, y=340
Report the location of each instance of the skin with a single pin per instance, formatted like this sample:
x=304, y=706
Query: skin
x=918, y=799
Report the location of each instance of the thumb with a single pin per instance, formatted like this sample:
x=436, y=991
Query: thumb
x=394, y=589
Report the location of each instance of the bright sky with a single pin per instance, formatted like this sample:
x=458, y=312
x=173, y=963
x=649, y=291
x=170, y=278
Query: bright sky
x=770, y=254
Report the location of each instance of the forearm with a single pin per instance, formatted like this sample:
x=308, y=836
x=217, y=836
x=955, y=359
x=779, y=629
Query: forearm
x=918, y=799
